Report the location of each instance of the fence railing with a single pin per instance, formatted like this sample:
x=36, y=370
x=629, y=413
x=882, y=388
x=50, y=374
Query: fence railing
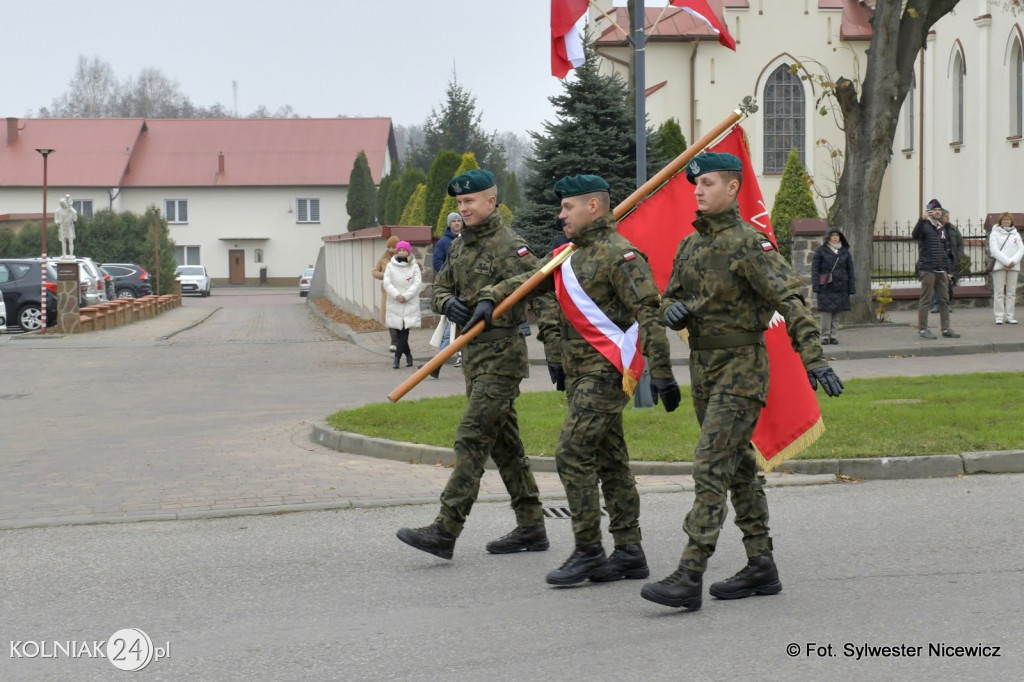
x=894, y=252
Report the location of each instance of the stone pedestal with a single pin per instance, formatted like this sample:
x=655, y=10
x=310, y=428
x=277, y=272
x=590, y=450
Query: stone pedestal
x=67, y=297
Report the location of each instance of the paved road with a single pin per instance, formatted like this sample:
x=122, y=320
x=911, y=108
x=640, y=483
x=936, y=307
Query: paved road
x=334, y=596
x=206, y=410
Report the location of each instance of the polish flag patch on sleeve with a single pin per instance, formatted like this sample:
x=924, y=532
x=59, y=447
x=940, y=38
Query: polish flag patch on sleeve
x=767, y=246
x=629, y=255
x=522, y=251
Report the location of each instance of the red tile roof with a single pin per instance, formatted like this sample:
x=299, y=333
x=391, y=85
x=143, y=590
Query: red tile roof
x=259, y=151
x=855, y=24
x=90, y=152
x=185, y=152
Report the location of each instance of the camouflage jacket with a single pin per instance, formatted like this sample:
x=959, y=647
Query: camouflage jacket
x=486, y=254
x=616, y=276
x=733, y=280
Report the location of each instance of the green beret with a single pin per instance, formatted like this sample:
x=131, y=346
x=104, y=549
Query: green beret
x=580, y=184
x=476, y=180
x=712, y=161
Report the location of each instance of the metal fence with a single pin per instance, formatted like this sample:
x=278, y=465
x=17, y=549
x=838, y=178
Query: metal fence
x=894, y=252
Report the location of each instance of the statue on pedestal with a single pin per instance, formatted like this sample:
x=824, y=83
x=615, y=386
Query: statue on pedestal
x=65, y=217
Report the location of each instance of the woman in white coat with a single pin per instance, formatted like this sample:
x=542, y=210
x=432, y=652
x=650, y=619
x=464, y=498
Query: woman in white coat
x=402, y=283
x=1005, y=245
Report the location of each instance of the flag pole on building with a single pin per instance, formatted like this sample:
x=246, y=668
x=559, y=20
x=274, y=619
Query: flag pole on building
x=747, y=106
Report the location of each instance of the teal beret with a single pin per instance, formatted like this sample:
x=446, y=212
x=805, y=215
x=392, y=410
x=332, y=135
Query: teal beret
x=712, y=161
x=476, y=180
x=579, y=184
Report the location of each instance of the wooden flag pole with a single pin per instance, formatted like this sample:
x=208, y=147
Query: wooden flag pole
x=747, y=107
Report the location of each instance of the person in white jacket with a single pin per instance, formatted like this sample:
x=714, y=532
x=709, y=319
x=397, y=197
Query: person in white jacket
x=1005, y=245
x=402, y=283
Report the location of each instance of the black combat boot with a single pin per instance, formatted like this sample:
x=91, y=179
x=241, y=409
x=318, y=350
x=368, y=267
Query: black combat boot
x=682, y=589
x=627, y=561
x=579, y=566
x=430, y=539
x=759, y=576
x=521, y=539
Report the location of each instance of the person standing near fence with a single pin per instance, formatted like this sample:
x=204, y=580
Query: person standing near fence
x=1006, y=247
x=935, y=267
x=832, y=281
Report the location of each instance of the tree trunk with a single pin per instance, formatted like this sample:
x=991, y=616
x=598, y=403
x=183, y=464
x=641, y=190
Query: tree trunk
x=870, y=121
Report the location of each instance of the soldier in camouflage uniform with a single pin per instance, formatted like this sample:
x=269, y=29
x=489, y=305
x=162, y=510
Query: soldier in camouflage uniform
x=494, y=364
x=591, y=447
x=727, y=282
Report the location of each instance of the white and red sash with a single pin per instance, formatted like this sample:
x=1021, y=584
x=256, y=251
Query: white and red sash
x=621, y=348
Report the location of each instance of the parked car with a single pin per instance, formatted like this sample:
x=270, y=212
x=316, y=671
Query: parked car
x=130, y=280
x=305, y=279
x=3, y=314
x=95, y=290
x=21, y=283
x=194, y=279
x=108, y=283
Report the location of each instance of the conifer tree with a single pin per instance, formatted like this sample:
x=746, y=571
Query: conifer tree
x=361, y=202
x=400, y=191
x=671, y=141
x=444, y=168
x=593, y=134
x=793, y=200
x=450, y=205
x=415, y=211
x=509, y=194
x=382, y=192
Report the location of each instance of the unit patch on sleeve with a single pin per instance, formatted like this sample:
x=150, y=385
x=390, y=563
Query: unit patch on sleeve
x=522, y=251
x=767, y=246
x=629, y=255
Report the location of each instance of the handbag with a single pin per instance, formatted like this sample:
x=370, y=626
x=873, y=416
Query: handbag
x=826, y=277
x=990, y=264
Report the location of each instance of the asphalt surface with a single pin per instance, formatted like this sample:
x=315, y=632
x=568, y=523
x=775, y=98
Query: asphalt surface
x=208, y=410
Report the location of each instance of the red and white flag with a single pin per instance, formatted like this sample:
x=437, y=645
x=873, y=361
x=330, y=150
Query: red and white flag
x=566, y=42
x=791, y=419
x=700, y=10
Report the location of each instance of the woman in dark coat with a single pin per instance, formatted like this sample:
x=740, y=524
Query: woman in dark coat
x=832, y=280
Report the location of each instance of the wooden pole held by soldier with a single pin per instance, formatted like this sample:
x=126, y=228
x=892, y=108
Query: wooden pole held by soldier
x=648, y=188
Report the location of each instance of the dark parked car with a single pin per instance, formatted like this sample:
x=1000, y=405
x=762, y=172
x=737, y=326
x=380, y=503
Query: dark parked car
x=130, y=280
x=20, y=283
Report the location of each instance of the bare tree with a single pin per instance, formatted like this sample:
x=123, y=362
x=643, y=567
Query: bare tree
x=93, y=92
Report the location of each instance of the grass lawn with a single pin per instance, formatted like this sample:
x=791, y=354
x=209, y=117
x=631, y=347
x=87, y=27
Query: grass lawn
x=939, y=414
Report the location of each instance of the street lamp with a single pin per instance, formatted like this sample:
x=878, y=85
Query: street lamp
x=42, y=270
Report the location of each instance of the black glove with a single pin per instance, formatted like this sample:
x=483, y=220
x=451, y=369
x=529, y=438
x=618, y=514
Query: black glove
x=557, y=375
x=667, y=390
x=456, y=309
x=676, y=316
x=828, y=379
x=483, y=312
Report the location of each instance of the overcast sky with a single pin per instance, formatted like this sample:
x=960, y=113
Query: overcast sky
x=324, y=58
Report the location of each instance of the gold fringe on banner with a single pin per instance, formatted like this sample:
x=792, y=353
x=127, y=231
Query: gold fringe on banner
x=800, y=444
x=629, y=384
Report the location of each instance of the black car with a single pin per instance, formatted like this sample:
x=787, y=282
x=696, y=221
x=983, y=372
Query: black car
x=130, y=280
x=20, y=283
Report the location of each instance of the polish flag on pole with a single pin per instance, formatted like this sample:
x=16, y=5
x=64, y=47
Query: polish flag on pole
x=791, y=420
x=566, y=42
x=700, y=10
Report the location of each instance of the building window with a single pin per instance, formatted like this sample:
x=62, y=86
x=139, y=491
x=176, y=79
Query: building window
x=908, y=116
x=308, y=210
x=958, y=98
x=176, y=211
x=83, y=206
x=257, y=255
x=784, y=118
x=1016, y=90
x=187, y=255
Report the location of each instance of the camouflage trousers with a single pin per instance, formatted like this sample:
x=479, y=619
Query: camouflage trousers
x=489, y=428
x=592, y=448
x=724, y=463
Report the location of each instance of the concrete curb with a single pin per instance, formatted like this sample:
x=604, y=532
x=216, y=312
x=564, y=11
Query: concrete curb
x=874, y=468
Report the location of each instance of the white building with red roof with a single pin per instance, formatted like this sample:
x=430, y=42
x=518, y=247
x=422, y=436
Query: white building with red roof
x=239, y=195
x=960, y=127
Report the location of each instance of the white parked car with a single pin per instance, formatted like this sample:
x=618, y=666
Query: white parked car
x=305, y=280
x=194, y=279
